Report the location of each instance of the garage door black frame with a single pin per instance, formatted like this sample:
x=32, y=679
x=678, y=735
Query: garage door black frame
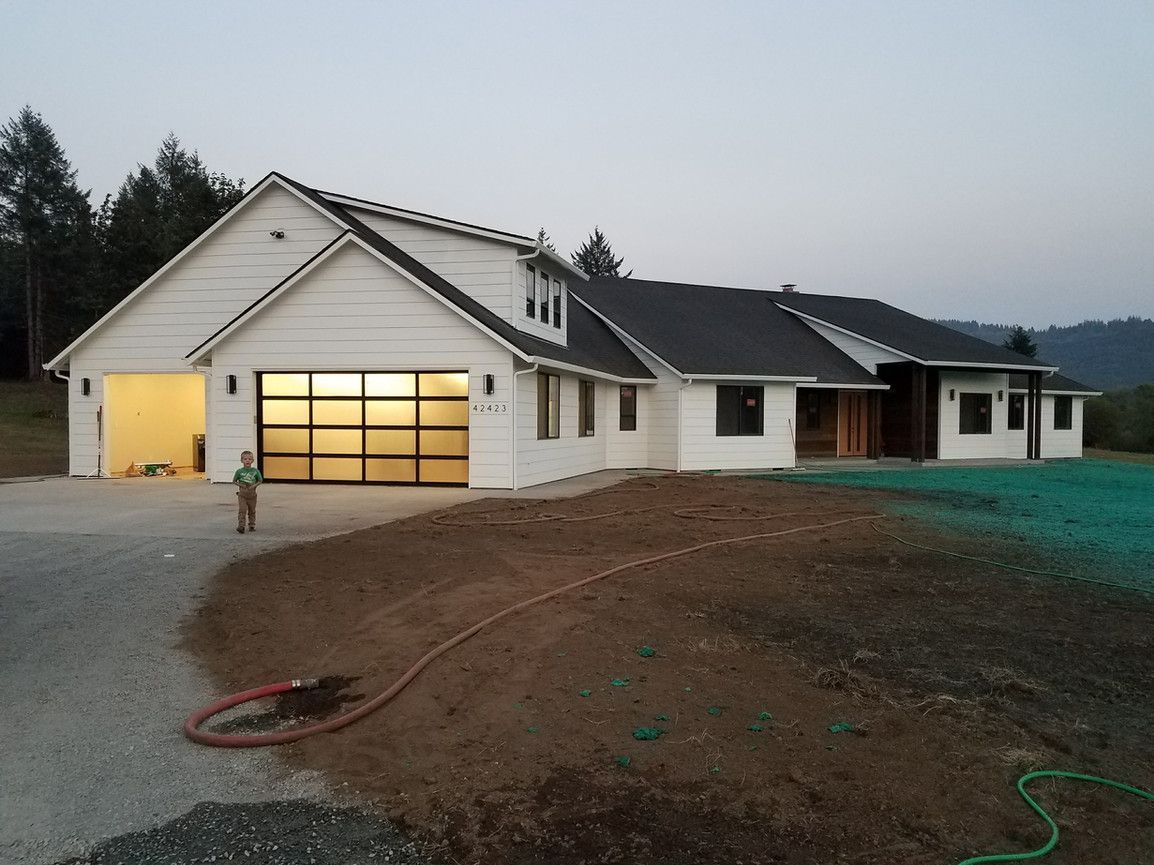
x=363, y=427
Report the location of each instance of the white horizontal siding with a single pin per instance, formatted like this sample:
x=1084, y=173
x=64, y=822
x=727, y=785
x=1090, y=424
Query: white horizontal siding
x=543, y=460
x=865, y=353
x=1059, y=443
x=393, y=326
x=480, y=267
x=952, y=445
x=626, y=449
x=703, y=449
x=230, y=269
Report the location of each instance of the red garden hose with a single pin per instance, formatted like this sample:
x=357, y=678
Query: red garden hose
x=192, y=725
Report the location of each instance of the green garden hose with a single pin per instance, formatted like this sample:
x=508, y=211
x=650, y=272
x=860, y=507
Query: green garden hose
x=1053, y=842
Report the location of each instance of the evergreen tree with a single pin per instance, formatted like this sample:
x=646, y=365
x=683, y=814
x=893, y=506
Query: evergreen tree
x=1018, y=339
x=543, y=239
x=595, y=256
x=158, y=211
x=46, y=236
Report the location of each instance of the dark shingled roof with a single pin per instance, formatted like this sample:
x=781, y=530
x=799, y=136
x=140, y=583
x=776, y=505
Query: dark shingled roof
x=592, y=345
x=705, y=330
x=1050, y=383
x=885, y=324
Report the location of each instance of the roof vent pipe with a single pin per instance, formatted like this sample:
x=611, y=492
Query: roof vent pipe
x=788, y=286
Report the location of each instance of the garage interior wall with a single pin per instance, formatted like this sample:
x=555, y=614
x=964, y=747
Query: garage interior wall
x=151, y=417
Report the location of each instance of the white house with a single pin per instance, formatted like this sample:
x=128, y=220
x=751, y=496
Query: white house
x=345, y=341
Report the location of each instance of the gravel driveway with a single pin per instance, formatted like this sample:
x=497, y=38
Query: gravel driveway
x=96, y=576
x=94, y=580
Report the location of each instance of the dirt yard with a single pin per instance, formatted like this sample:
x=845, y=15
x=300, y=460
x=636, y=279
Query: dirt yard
x=956, y=678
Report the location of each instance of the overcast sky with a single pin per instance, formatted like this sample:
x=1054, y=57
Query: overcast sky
x=989, y=160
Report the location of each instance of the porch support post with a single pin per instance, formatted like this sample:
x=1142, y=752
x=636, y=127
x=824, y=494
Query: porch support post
x=1034, y=448
x=918, y=414
x=874, y=441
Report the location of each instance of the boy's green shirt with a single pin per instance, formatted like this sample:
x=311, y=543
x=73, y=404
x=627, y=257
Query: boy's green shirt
x=251, y=475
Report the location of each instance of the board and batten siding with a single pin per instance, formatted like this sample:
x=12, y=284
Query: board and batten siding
x=703, y=449
x=229, y=270
x=480, y=267
x=952, y=444
x=542, y=460
x=356, y=313
x=865, y=353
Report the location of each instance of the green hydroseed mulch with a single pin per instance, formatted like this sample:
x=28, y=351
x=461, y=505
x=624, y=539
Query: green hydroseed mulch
x=1087, y=517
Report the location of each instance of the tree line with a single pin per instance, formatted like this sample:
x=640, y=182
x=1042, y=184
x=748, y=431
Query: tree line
x=63, y=263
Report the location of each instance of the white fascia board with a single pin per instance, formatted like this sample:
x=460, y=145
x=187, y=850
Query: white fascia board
x=848, y=332
x=833, y=386
x=992, y=367
x=351, y=237
x=568, y=265
x=592, y=373
x=180, y=256
x=630, y=339
x=1060, y=392
x=710, y=376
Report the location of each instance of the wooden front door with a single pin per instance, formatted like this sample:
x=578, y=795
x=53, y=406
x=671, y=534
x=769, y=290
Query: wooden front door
x=853, y=424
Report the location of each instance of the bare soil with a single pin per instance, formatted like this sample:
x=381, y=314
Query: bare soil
x=957, y=677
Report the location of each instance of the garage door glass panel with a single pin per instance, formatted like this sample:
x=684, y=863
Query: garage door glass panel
x=289, y=441
x=390, y=384
x=336, y=469
x=444, y=384
x=285, y=468
x=396, y=471
x=337, y=412
x=445, y=442
x=287, y=411
x=285, y=384
x=336, y=441
x=390, y=441
x=444, y=413
x=444, y=471
x=390, y=413
x=336, y=384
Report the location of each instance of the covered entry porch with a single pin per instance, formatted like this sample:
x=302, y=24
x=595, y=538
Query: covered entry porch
x=833, y=422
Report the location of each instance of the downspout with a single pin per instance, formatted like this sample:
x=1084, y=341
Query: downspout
x=513, y=437
x=688, y=382
x=60, y=375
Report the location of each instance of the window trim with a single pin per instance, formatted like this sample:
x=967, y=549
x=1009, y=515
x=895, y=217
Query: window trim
x=530, y=291
x=557, y=303
x=586, y=408
x=986, y=399
x=548, y=406
x=742, y=392
x=1068, y=402
x=623, y=400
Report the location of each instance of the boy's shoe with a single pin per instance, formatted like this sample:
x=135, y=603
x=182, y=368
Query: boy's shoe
x=252, y=528
x=240, y=530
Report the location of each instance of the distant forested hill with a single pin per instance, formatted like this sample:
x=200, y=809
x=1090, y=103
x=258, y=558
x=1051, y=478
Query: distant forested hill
x=1103, y=354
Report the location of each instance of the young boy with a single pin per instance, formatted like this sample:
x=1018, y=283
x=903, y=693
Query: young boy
x=247, y=478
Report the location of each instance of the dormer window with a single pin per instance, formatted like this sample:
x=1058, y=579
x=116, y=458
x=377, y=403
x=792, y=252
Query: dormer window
x=557, y=303
x=530, y=291
x=544, y=297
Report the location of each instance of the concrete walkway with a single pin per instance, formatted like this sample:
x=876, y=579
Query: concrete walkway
x=95, y=577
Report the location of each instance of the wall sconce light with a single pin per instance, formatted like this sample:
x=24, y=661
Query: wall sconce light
x=230, y=384
x=85, y=386
x=490, y=384
x=1001, y=395
x=951, y=394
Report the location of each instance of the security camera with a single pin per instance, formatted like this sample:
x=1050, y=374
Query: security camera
x=278, y=233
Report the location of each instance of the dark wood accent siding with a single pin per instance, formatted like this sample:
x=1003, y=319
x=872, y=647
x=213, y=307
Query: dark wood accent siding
x=898, y=424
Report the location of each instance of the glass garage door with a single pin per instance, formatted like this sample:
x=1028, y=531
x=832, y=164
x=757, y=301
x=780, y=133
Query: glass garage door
x=364, y=427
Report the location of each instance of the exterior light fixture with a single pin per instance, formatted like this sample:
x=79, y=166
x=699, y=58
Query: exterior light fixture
x=85, y=386
x=490, y=384
x=951, y=394
x=230, y=384
x=1001, y=396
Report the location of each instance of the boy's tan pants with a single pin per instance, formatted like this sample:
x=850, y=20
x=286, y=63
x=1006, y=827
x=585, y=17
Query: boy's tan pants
x=246, y=503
